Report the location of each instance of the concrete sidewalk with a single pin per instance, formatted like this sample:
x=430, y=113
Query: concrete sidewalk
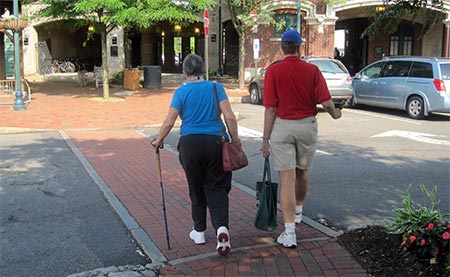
x=119, y=158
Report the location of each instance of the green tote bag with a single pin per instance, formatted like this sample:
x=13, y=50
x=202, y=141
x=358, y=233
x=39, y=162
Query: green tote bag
x=266, y=191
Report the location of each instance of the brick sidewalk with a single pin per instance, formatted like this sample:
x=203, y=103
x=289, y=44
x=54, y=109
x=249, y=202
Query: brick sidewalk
x=105, y=135
x=127, y=163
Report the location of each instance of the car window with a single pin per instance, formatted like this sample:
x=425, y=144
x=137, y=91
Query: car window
x=372, y=71
x=421, y=70
x=329, y=66
x=445, y=71
x=396, y=69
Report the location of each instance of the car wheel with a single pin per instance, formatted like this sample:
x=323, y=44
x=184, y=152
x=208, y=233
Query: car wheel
x=415, y=107
x=351, y=103
x=254, y=94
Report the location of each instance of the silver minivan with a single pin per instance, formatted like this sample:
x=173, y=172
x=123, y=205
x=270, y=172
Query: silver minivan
x=418, y=85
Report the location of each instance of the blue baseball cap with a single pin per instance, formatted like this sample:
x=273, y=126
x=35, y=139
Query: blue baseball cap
x=291, y=37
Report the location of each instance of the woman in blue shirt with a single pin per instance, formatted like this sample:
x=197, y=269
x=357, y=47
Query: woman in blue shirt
x=200, y=149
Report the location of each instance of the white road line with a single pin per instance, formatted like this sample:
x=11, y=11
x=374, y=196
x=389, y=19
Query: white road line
x=412, y=121
x=420, y=137
x=250, y=133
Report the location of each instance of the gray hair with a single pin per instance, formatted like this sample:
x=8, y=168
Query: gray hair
x=193, y=65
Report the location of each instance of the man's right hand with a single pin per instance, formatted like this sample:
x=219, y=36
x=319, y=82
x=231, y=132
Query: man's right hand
x=337, y=114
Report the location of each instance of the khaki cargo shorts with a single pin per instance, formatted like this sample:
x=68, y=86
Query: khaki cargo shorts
x=293, y=143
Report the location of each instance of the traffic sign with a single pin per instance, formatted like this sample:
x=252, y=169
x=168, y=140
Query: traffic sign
x=206, y=22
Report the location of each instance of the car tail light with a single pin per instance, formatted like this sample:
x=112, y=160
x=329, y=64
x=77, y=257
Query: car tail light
x=440, y=86
x=348, y=81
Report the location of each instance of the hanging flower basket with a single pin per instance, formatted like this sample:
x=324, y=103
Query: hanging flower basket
x=13, y=24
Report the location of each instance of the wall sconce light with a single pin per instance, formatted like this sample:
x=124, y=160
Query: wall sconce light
x=197, y=30
x=379, y=9
x=91, y=28
x=177, y=28
x=163, y=34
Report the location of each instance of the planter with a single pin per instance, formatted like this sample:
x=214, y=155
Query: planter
x=13, y=24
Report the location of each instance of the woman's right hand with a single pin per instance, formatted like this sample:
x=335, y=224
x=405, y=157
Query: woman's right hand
x=157, y=143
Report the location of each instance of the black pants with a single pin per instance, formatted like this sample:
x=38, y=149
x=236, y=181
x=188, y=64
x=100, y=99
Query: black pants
x=209, y=185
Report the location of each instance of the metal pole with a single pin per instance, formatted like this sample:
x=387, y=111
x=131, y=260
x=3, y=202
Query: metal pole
x=18, y=103
x=206, y=58
x=299, y=17
x=219, y=70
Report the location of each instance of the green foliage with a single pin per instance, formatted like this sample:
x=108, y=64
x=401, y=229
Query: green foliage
x=413, y=216
x=431, y=12
x=126, y=13
x=117, y=79
x=426, y=232
x=247, y=13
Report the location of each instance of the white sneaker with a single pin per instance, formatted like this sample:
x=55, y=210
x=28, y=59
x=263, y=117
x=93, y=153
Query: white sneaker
x=223, y=241
x=287, y=240
x=197, y=237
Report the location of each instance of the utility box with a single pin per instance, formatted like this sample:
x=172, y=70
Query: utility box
x=152, y=76
x=131, y=79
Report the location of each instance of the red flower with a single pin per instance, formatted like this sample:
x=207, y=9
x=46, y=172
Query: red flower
x=448, y=226
x=422, y=242
x=405, y=249
x=412, y=238
x=430, y=226
x=446, y=235
x=403, y=242
x=436, y=251
x=409, y=231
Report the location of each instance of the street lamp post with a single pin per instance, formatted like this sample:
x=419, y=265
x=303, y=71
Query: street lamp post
x=299, y=17
x=18, y=103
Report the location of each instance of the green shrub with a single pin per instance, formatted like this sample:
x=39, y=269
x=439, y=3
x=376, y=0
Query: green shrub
x=117, y=78
x=426, y=232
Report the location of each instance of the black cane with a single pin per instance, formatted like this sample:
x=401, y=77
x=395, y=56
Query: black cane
x=158, y=159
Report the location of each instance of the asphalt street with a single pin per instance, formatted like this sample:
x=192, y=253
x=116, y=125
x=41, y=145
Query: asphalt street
x=54, y=220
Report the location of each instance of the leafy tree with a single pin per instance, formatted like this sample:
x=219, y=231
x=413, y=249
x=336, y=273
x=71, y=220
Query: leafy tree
x=246, y=14
x=105, y=15
x=431, y=12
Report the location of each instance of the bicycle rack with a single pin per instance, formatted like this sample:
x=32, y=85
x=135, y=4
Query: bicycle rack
x=8, y=92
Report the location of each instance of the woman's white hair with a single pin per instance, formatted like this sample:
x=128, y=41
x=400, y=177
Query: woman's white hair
x=193, y=65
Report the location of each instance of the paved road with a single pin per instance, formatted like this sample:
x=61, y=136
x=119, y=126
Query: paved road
x=54, y=221
x=365, y=160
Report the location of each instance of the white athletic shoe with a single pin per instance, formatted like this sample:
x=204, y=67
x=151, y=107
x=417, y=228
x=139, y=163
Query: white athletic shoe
x=287, y=240
x=223, y=241
x=197, y=237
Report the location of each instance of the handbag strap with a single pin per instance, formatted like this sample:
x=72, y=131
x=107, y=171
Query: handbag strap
x=267, y=173
x=218, y=106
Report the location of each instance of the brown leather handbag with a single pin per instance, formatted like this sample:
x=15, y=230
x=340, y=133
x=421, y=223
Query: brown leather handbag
x=233, y=156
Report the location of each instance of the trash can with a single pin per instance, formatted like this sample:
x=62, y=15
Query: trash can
x=152, y=76
x=131, y=79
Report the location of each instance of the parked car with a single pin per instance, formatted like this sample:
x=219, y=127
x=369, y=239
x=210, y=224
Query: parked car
x=336, y=75
x=418, y=85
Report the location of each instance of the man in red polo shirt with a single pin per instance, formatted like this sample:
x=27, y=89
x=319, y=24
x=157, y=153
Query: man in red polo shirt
x=292, y=89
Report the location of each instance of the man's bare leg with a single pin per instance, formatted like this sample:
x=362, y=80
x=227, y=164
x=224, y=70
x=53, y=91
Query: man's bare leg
x=287, y=194
x=301, y=186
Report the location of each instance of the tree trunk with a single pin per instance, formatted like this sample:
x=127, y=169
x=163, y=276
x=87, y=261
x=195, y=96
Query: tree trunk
x=2, y=57
x=241, y=60
x=105, y=64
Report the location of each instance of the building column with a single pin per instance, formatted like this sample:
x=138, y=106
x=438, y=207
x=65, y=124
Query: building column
x=147, y=44
x=320, y=35
x=447, y=37
x=169, y=52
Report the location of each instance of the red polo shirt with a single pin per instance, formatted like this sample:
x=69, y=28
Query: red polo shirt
x=295, y=87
